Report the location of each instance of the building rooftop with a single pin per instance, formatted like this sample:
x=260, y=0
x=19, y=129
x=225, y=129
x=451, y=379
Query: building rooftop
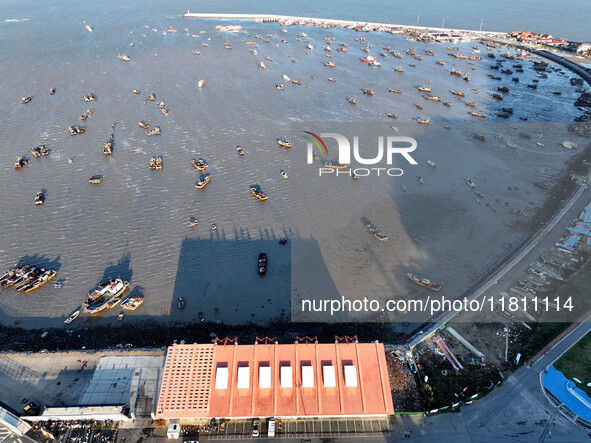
x=273, y=380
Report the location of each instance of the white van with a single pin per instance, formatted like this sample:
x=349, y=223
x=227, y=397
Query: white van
x=174, y=430
x=271, y=428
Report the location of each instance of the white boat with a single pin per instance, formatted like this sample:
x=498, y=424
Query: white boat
x=286, y=78
x=88, y=28
x=283, y=174
x=72, y=317
x=200, y=83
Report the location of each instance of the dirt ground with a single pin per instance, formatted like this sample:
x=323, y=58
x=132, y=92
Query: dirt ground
x=403, y=383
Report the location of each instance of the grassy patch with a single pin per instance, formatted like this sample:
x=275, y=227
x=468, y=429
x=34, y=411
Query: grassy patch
x=576, y=362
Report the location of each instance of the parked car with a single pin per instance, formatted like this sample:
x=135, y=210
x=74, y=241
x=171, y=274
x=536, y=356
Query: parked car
x=256, y=428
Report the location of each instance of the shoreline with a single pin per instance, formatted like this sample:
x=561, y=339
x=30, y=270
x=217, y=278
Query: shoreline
x=273, y=18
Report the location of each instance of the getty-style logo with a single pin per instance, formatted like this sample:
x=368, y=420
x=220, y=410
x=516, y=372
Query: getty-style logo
x=387, y=147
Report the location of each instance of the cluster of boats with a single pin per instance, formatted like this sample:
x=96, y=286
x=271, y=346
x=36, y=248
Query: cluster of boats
x=156, y=162
x=26, y=278
x=88, y=113
x=40, y=151
x=90, y=98
x=75, y=130
x=200, y=164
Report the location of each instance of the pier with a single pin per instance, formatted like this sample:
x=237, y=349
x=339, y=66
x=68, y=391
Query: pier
x=314, y=21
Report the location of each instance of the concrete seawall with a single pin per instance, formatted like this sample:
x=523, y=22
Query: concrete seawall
x=286, y=18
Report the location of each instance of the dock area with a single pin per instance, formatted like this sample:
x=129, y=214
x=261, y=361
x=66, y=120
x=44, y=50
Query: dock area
x=350, y=24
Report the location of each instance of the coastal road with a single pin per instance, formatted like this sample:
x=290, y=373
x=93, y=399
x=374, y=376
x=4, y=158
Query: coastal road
x=509, y=272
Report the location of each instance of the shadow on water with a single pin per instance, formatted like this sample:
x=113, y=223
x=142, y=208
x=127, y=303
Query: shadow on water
x=120, y=270
x=218, y=278
x=42, y=261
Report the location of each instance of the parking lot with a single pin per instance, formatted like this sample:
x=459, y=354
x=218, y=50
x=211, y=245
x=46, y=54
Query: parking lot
x=319, y=428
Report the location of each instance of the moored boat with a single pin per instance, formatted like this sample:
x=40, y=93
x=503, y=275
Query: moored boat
x=200, y=164
x=72, y=317
x=98, y=299
x=423, y=282
x=258, y=193
x=203, y=181
x=262, y=264
x=96, y=179
x=39, y=198
x=283, y=142
x=132, y=303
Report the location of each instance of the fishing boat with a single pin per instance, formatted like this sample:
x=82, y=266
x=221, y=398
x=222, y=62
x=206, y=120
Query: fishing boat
x=424, y=121
x=331, y=79
x=440, y=62
x=200, y=83
x=284, y=143
x=284, y=174
x=389, y=114
x=39, y=198
x=279, y=86
x=52, y=91
x=25, y=100
x=96, y=179
x=72, y=317
x=161, y=105
x=41, y=278
x=511, y=145
x=124, y=57
x=368, y=92
x=108, y=148
x=424, y=88
x=478, y=114
x=258, y=193
x=470, y=183
x=330, y=64
x=98, y=299
x=447, y=103
x=88, y=28
x=155, y=131
x=456, y=72
x=333, y=164
x=375, y=231
x=156, y=163
x=200, y=164
x=497, y=95
x=424, y=282
x=239, y=150
x=458, y=93
x=135, y=91
x=143, y=125
x=261, y=65
x=132, y=303
x=472, y=104
x=435, y=98
x=203, y=181
x=152, y=97
x=40, y=151
x=262, y=264
x=432, y=163
x=352, y=100
x=399, y=69
x=193, y=222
